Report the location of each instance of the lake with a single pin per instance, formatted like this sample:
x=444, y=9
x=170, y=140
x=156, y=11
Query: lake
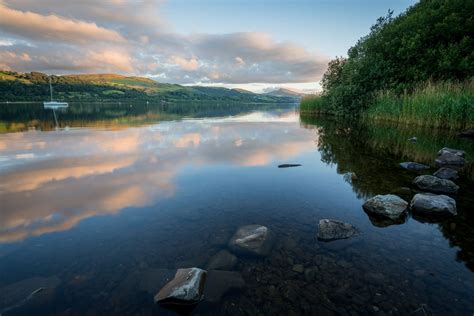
x=97, y=212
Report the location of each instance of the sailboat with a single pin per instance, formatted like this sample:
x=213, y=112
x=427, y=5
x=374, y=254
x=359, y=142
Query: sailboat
x=54, y=104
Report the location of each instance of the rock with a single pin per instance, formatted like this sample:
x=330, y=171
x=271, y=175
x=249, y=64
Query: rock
x=18, y=294
x=221, y=283
x=254, y=240
x=349, y=177
x=186, y=288
x=388, y=205
x=446, y=173
x=450, y=159
x=298, y=268
x=288, y=165
x=413, y=166
x=331, y=230
x=431, y=204
x=223, y=260
x=469, y=133
x=435, y=184
x=413, y=139
x=457, y=152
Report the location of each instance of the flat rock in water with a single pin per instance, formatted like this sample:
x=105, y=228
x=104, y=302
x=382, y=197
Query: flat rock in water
x=409, y=165
x=433, y=205
x=223, y=260
x=450, y=159
x=457, y=152
x=19, y=293
x=388, y=205
x=289, y=165
x=469, y=133
x=255, y=240
x=435, y=184
x=221, y=283
x=186, y=288
x=332, y=230
x=446, y=173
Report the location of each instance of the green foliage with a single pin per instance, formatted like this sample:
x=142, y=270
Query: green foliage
x=431, y=42
x=313, y=104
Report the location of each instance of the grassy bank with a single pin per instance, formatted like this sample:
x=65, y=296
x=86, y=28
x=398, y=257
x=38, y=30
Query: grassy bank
x=444, y=105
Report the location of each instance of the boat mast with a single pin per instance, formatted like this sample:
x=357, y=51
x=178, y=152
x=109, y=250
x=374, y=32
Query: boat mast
x=51, y=89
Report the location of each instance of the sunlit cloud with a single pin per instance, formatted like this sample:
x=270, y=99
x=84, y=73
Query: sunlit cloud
x=131, y=37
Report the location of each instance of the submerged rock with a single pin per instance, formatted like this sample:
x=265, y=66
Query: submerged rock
x=450, y=159
x=432, y=204
x=186, y=288
x=221, y=283
x=17, y=295
x=413, y=139
x=223, y=260
x=446, y=173
x=256, y=240
x=457, y=152
x=389, y=205
x=332, y=230
x=435, y=184
x=289, y=165
x=409, y=165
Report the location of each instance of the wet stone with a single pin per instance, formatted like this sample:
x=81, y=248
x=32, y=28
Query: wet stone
x=450, y=159
x=434, y=205
x=186, y=288
x=457, y=152
x=253, y=240
x=446, y=173
x=435, y=184
x=289, y=165
x=409, y=165
x=332, y=230
x=223, y=260
x=389, y=205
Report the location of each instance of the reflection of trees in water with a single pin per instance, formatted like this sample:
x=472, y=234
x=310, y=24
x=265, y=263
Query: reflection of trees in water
x=20, y=117
x=373, y=152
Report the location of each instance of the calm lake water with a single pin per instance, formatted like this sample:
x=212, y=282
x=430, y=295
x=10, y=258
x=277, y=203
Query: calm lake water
x=95, y=213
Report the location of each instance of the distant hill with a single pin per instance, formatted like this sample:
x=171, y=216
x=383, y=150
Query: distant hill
x=284, y=92
x=34, y=86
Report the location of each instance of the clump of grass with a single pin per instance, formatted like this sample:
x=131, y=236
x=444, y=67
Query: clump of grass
x=444, y=104
x=313, y=104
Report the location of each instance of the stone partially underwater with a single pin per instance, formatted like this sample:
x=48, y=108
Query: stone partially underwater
x=186, y=288
x=330, y=230
x=253, y=240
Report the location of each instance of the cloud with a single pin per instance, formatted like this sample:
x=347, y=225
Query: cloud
x=132, y=37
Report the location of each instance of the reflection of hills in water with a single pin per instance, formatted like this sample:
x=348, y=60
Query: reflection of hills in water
x=21, y=117
x=373, y=152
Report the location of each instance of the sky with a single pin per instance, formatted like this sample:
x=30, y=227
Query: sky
x=257, y=45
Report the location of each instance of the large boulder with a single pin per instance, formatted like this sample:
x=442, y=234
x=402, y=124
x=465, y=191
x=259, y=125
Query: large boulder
x=450, y=159
x=330, y=229
x=433, y=205
x=389, y=205
x=223, y=260
x=435, y=184
x=457, y=152
x=446, y=173
x=186, y=288
x=254, y=240
x=409, y=165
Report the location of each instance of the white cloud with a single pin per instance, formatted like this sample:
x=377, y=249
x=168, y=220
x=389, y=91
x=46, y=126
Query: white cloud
x=131, y=37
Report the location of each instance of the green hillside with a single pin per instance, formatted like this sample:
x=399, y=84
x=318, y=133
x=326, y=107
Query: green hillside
x=34, y=86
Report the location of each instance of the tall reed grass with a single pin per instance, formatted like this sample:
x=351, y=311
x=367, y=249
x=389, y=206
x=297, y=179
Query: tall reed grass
x=445, y=105
x=313, y=104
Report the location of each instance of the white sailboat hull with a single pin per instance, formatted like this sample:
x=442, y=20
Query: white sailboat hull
x=55, y=105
